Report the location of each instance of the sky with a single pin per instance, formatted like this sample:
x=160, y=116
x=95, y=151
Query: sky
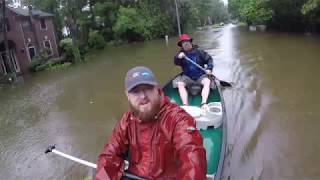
x=225, y=1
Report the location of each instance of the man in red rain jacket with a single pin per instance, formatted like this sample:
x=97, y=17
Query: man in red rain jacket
x=161, y=139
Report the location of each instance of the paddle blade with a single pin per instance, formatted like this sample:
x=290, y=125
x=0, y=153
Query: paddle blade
x=225, y=84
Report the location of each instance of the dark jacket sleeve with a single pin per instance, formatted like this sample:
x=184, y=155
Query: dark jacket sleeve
x=178, y=61
x=207, y=59
x=191, y=152
x=110, y=163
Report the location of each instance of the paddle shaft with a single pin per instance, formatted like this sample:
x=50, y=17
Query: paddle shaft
x=222, y=83
x=194, y=63
x=87, y=163
x=81, y=161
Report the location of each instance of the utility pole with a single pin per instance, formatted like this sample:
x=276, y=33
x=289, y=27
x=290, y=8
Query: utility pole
x=178, y=17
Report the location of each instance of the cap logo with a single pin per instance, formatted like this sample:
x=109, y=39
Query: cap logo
x=136, y=74
x=145, y=74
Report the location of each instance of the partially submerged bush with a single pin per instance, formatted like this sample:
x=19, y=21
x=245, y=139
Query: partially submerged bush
x=66, y=46
x=35, y=62
x=96, y=40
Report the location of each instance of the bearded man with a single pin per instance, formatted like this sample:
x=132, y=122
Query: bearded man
x=160, y=138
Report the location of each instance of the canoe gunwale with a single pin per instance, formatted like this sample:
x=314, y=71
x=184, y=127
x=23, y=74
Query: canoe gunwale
x=224, y=135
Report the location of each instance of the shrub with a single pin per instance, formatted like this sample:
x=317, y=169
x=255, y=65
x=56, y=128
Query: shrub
x=60, y=66
x=44, y=66
x=66, y=46
x=96, y=40
x=36, y=61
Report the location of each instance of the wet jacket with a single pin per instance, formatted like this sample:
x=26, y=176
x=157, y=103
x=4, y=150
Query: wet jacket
x=169, y=147
x=196, y=55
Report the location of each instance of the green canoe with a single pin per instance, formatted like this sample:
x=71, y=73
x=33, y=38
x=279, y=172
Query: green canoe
x=214, y=136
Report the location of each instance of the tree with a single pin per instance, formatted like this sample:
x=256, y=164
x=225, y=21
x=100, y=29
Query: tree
x=311, y=11
x=234, y=8
x=219, y=12
x=311, y=7
x=254, y=12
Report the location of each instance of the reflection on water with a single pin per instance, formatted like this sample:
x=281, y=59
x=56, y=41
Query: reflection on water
x=272, y=109
x=272, y=115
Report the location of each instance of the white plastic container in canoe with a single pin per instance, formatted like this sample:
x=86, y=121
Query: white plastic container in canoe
x=210, y=116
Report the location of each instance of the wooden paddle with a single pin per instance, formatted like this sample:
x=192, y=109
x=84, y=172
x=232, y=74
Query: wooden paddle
x=222, y=83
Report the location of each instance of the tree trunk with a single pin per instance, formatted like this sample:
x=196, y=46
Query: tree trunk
x=92, y=18
x=75, y=46
x=84, y=35
x=7, y=59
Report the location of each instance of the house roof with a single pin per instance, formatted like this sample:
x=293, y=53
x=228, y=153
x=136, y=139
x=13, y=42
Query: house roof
x=25, y=12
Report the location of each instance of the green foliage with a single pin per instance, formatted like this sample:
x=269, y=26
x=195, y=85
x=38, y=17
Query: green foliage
x=156, y=23
x=39, y=64
x=59, y=66
x=140, y=25
x=219, y=12
x=255, y=12
x=190, y=16
x=96, y=40
x=310, y=7
x=105, y=16
x=8, y=79
x=66, y=46
x=43, y=66
x=105, y=13
x=35, y=62
x=234, y=8
x=128, y=22
x=289, y=15
x=86, y=178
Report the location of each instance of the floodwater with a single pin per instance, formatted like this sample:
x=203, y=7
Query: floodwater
x=273, y=108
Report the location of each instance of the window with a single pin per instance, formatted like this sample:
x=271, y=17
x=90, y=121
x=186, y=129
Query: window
x=47, y=46
x=13, y=60
x=26, y=25
x=43, y=23
x=32, y=51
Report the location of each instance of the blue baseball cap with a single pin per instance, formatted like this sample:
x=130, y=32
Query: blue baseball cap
x=139, y=75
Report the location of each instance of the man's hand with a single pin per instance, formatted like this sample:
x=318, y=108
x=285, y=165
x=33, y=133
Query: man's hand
x=208, y=72
x=181, y=55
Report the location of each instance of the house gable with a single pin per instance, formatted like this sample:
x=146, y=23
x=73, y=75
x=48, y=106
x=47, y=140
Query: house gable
x=30, y=34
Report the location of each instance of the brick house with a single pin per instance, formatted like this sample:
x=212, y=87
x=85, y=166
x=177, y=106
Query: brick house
x=29, y=32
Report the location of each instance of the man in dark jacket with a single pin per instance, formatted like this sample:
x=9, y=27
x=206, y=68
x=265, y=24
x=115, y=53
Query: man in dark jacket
x=161, y=139
x=191, y=73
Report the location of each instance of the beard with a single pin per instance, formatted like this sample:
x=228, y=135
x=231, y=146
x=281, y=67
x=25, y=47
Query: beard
x=146, y=114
